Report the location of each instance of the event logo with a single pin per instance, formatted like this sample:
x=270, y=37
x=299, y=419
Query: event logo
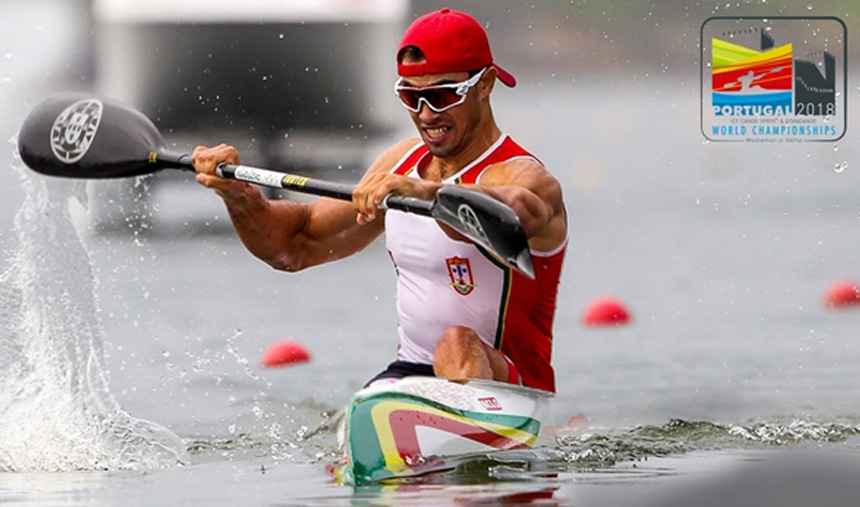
x=773, y=79
x=749, y=82
x=74, y=129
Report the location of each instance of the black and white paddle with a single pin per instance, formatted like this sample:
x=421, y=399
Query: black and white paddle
x=76, y=135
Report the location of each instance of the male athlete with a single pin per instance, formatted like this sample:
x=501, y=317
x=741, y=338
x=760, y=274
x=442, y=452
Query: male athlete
x=462, y=314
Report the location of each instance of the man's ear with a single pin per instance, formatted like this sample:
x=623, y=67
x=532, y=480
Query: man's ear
x=487, y=82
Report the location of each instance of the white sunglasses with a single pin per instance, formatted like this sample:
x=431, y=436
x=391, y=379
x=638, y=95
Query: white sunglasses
x=439, y=98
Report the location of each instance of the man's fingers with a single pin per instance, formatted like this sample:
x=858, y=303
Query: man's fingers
x=362, y=198
x=206, y=180
x=206, y=159
x=372, y=190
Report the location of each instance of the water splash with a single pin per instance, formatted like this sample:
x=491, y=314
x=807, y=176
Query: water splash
x=313, y=440
x=56, y=410
x=605, y=449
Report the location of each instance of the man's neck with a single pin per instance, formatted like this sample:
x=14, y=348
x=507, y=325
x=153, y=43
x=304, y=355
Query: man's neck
x=440, y=169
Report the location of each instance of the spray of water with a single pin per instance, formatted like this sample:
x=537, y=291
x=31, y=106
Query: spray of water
x=56, y=410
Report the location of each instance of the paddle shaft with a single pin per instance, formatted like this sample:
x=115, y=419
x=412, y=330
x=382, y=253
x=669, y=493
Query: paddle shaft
x=296, y=183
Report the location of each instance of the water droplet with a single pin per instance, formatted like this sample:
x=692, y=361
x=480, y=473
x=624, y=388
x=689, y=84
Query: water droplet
x=840, y=166
x=809, y=7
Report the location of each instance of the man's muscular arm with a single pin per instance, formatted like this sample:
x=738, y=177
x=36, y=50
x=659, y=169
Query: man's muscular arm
x=287, y=235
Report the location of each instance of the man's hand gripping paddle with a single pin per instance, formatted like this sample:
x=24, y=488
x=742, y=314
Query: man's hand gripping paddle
x=83, y=136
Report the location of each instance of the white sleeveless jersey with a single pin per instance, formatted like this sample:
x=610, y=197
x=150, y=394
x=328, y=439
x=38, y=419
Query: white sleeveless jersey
x=437, y=286
x=443, y=283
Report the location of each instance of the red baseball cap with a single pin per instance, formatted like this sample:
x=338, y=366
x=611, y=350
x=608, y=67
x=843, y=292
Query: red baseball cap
x=452, y=41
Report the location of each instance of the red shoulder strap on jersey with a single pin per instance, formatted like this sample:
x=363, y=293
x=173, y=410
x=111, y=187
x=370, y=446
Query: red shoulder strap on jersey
x=507, y=150
x=409, y=161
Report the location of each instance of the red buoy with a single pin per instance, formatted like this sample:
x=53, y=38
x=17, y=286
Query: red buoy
x=842, y=294
x=606, y=311
x=578, y=423
x=284, y=353
x=575, y=426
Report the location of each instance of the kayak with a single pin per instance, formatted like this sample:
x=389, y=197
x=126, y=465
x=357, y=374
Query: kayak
x=418, y=425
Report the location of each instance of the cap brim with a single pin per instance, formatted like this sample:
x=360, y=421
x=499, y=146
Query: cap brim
x=505, y=77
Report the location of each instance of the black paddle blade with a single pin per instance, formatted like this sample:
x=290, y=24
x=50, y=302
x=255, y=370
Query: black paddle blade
x=488, y=222
x=83, y=136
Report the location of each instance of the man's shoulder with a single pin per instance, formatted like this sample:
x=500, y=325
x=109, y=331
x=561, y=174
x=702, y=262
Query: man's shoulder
x=528, y=172
x=391, y=156
x=514, y=169
x=403, y=146
x=510, y=158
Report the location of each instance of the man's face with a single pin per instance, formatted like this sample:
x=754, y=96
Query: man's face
x=448, y=132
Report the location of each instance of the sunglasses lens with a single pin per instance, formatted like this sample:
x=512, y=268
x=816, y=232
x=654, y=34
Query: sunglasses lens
x=438, y=98
x=409, y=98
